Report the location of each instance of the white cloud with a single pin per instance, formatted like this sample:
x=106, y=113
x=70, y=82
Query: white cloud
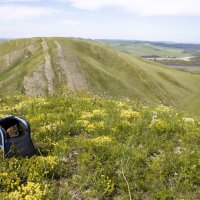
x=143, y=7
x=19, y=1
x=69, y=22
x=138, y=7
x=63, y=28
x=9, y=13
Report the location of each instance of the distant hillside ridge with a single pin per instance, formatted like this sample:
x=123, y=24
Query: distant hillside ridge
x=46, y=66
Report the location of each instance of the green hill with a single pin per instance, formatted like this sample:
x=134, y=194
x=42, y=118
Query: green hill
x=42, y=66
x=98, y=148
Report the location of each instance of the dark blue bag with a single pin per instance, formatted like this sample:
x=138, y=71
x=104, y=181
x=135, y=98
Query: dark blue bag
x=20, y=140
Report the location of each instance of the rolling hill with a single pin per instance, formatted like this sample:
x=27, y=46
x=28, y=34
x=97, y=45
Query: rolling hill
x=42, y=66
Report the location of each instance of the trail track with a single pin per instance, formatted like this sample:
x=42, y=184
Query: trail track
x=69, y=64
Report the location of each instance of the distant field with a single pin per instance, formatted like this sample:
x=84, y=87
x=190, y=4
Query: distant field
x=171, y=54
x=174, y=62
x=188, y=68
x=148, y=50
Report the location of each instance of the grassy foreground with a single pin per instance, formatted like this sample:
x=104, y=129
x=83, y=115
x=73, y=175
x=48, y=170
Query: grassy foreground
x=98, y=148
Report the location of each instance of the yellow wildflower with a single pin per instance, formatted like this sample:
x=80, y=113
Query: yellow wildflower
x=97, y=113
x=159, y=126
x=120, y=104
x=189, y=120
x=163, y=109
x=129, y=114
x=86, y=115
x=91, y=127
x=31, y=191
x=101, y=140
x=82, y=123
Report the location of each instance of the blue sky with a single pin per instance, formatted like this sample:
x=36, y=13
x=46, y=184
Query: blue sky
x=155, y=20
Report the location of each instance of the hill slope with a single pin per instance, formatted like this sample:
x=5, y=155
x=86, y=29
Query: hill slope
x=41, y=66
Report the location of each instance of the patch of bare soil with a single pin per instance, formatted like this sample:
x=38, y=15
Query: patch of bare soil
x=75, y=76
x=12, y=57
x=49, y=74
x=40, y=82
x=36, y=83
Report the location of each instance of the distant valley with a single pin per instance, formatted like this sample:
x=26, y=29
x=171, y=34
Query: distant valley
x=181, y=56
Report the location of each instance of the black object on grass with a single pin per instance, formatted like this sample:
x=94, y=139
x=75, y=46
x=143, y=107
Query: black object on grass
x=15, y=135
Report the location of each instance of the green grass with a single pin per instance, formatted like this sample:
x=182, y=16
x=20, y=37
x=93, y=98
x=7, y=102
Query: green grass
x=21, y=64
x=177, y=88
x=100, y=148
x=106, y=71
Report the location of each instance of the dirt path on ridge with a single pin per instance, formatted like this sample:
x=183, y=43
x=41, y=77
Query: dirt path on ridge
x=49, y=74
x=40, y=82
x=75, y=76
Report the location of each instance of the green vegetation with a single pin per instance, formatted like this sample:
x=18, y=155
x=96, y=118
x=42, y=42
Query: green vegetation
x=99, y=148
x=42, y=66
x=92, y=147
x=17, y=61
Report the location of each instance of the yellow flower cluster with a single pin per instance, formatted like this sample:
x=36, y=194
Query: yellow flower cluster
x=107, y=184
x=50, y=161
x=189, y=120
x=30, y=191
x=101, y=140
x=86, y=99
x=36, y=118
x=9, y=181
x=120, y=104
x=1, y=116
x=159, y=126
x=129, y=113
x=163, y=109
x=86, y=115
x=88, y=122
x=51, y=126
x=126, y=123
x=82, y=123
x=92, y=127
x=41, y=167
x=97, y=113
x=5, y=108
x=30, y=101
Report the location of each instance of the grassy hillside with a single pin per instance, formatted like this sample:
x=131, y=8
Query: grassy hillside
x=98, y=148
x=42, y=66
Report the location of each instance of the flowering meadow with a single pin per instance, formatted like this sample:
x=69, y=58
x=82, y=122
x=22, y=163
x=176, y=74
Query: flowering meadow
x=91, y=147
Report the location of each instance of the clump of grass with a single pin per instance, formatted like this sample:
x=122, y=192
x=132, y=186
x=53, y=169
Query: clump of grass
x=99, y=148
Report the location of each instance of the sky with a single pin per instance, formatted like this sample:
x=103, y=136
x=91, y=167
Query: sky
x=152, y=20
